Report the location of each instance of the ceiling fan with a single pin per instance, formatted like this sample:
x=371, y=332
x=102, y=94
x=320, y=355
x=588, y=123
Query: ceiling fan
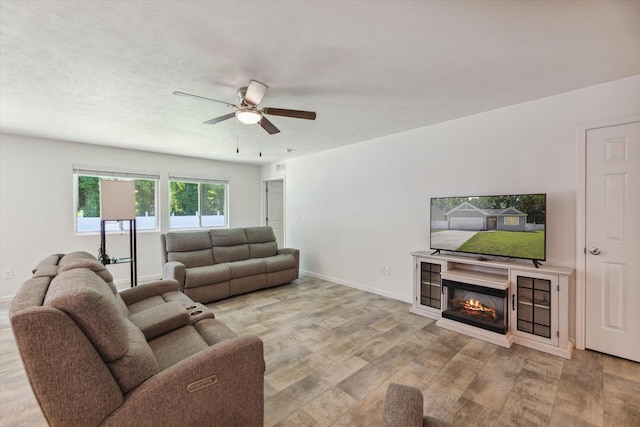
x=248, y=111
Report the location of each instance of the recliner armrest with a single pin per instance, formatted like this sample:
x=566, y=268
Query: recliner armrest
x=161, y=319
x=294, y=252
x=148, y=290
x=402, y=406
x=175, y=270
x=224, y=382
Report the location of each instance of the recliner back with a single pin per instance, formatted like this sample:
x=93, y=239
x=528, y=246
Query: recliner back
x=71, y=382
x=79, y=348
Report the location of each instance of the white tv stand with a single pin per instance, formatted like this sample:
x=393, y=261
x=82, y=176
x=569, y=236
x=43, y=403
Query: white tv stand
x=538, y=298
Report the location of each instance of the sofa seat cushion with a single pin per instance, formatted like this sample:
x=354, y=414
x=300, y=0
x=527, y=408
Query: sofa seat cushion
x=177, y=345
x=248, y=267
x=207, y=275
x=146, y=304
x=280, y=262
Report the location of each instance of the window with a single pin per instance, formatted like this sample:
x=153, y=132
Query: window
x=511, y=220
x=87, y=197
x=197, y=202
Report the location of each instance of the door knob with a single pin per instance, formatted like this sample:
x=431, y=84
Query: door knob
x=594, y=251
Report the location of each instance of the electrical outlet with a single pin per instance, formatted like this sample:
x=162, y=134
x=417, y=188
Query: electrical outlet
x=387, y=270
x=8, y=273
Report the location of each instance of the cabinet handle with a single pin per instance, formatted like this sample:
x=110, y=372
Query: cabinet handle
x=513, y=302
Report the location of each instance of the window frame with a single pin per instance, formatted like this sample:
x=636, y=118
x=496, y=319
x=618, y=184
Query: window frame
x=199, y=180
x=111, y=173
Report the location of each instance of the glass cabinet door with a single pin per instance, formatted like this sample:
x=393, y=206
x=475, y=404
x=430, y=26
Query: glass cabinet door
x=533, y=305
x=430, y=284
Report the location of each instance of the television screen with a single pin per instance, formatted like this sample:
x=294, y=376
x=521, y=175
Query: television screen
x=511, y=226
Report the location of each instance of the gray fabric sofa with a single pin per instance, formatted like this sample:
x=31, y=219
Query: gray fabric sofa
x=214, y=264
x=146, y=356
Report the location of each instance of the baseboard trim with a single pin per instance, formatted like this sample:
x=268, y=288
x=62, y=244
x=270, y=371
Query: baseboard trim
x=358, y=286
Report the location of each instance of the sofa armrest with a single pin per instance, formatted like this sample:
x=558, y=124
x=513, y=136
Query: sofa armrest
x=296, y=255
x=224, y=382
x=161, y=319
x=402, y=407
x=148, y=290
x=175, y=270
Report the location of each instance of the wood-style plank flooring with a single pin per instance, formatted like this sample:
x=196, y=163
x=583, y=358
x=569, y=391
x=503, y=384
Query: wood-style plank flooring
x=331, y=352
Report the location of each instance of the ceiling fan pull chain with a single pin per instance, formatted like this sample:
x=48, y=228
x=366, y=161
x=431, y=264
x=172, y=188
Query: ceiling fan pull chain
x=237, y=137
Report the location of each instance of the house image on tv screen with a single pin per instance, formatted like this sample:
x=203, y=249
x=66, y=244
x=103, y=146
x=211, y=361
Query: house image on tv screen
x=468, y=217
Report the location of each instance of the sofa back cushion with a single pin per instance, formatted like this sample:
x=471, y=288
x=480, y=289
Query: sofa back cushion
x=229, y=244
x=74, y=256
x=137, y=364
x=102, y=272
x=92, y=305
x=51, y=260
x=90, y=302
x=192, y=248
x=262, y=242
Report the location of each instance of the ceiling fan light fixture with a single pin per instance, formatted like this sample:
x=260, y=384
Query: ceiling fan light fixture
x=248, y=116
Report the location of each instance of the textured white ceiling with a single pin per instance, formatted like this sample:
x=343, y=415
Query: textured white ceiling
x=103, y=72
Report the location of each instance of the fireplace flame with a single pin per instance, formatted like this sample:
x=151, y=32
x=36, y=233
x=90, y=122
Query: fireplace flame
x=474, y=305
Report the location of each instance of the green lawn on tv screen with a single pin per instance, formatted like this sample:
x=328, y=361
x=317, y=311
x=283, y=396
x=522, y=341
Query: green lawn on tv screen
x=516, y=244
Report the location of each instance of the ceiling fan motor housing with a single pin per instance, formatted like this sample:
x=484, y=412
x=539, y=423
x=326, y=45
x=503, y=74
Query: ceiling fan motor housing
x=242, y=92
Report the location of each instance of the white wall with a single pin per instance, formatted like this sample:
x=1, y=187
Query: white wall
x=367, y=205
x=36, y=202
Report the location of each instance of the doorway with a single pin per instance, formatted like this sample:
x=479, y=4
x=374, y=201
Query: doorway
x=274, y=209
x=609, y=236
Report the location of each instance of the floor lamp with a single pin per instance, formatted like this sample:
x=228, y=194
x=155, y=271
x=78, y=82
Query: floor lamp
x=118, y=203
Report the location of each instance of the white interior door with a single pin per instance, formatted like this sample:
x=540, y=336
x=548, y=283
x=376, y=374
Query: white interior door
x=612, y=287
x=275, y=209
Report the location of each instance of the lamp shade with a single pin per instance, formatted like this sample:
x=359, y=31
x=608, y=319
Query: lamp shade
x=117, y=200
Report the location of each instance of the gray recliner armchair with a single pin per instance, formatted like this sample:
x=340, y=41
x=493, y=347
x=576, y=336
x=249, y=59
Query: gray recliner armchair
x=146, y=356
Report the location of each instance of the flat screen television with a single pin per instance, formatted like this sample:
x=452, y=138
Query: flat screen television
x=509, y=226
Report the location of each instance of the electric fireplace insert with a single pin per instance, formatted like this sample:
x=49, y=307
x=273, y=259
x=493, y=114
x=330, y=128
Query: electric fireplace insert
x=477, y=306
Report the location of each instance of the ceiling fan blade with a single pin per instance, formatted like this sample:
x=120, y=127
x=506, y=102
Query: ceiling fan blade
x=220, y=119
x=202, y=97
x=297, y=114
x=268, y=126
x=255, y=92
